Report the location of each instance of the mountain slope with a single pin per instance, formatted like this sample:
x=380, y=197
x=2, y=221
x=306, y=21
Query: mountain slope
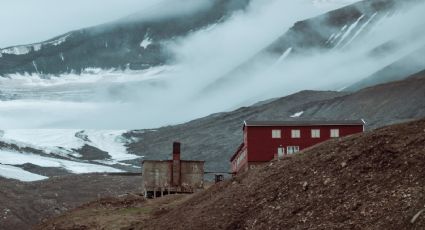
x=398, y=70
x=307, y=43
x=134, y=42
x=214, y=138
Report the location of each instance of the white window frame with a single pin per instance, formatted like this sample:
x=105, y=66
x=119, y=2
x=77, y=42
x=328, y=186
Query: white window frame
x=276, y=133
x=315, y=133
x=292, y=149
x=334, y=133
x=296, y=133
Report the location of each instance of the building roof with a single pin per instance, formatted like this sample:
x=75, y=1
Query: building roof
x=304, y=123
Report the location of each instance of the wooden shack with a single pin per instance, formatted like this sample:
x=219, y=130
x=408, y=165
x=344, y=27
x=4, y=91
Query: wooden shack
x=172, y=176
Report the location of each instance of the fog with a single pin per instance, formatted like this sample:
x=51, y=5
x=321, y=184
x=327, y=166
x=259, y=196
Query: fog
x=176, y=93
x=30, y=21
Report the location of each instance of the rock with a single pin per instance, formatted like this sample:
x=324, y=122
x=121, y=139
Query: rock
x=327, y=181
x=305, y=186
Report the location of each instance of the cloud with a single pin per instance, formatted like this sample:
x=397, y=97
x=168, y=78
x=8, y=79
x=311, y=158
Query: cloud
x=173, y=94
x=170, y=9
x=29, y=21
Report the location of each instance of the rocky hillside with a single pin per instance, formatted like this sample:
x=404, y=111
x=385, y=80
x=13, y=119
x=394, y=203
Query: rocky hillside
x=373, y=180
x=134, y=42
x=23, y=205
x=214, y=138
x=367, y=181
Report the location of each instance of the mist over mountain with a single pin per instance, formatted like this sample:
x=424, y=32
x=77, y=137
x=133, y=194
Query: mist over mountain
x=163, y=67
x=133, y=42
x=104, y=98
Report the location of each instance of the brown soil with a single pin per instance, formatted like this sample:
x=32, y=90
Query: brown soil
x=374, y=180
x=25, y=204
x=113, y=213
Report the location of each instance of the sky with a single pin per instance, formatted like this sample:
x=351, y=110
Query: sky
x=29, y=21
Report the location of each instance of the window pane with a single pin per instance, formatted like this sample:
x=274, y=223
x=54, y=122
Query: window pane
x=334, y=132
x=295, y=133
x=276, y=133
x=315, y=133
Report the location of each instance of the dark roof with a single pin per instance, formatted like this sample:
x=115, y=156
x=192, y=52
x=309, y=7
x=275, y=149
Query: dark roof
x=304, y=123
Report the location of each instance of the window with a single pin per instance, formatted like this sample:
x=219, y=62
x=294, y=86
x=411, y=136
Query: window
x=293, y=149
x=334, y=132
x=276, y=133
x=315, y=133
x=295, y=133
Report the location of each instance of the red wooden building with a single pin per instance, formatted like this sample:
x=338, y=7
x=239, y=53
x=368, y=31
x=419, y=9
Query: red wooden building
x=264, y=141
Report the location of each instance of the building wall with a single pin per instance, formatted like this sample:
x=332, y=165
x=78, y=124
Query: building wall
x=240, y=161
x=262, y=147
x=156, y=174
x=192, y=175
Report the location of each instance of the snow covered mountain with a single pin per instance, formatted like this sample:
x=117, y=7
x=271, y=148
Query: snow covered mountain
x=134, y=42
x=30, y=155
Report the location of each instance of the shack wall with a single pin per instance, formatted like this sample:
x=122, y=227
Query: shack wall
x=192, y=175
x=156, y=175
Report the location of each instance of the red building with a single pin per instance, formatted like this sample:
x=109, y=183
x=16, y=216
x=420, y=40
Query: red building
x=264, y=141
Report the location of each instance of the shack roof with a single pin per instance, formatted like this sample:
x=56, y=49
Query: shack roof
x=170, y=161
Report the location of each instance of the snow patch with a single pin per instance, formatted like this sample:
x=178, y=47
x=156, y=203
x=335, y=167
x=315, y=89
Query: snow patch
x=25, y=49
x=338, y=34
x=354, y=25
x=110, y=141
x=298, y=114
x=12, y=172
x=17, y=50
x=361, y=29
x=64, y=142
x=88, y=75
x=58, y=41
x=35, y=66
x=37, y=47
x=146, y=42
x=15, y=158
x=284, y=55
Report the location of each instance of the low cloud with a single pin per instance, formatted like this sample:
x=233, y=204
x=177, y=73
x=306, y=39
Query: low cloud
x=174, y=94
x=30, y=21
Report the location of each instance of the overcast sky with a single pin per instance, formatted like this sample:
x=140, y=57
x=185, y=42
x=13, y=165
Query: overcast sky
x=28, y=21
